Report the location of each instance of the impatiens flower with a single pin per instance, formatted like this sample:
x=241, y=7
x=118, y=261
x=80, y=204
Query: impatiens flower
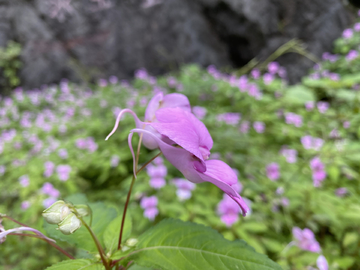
x=322, y=106
x=309, y=105
x=255, y=73
x=305, y=239
x=24, y=180
x=318, y=169
x=184, y=188
x=197, y=171
x=229, y=118
x=341, y=192
x=228, y=211
x=63, y=172
x=289, y=154
x=199, y=112
x=157, y=175
x=352, y=55
x=244, y=127
x=311, y=143
x=268, y=78
x=273, y=67
x=348, y=33
x=294, y=119
x=25, y=205
x=114, y=162
x=49, y=168
x=185, y=142
x=322, y=263
x=149, y=204
x=3, y=233
x=273, y=171
x=259, y=127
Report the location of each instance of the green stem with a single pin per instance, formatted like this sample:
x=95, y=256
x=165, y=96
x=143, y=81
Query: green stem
x=97, y=243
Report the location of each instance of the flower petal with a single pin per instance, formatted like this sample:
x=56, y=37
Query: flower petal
x=168, y=101
x=188, y=165
x=184, y=129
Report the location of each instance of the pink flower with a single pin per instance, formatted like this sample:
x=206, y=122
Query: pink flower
x=348, y=33
x=24, y=180
x=305, y=239
x=273, y=171
x=25, y=205
x=322, y=106
x=49, y=168
x=175, y=125
x=259, y=127
x=244, y=127
x=184, y=188
x=157, y=175
x=255, y=73
x=357, y=27
x=318, y=169
x=228, y=210
x=322, y=263
x=352, y=55
x=268, y=78
x=341, y=192
x=273, y=67
x=199, y=112
x=289, y=154
x=149, y=204
x=63, y=172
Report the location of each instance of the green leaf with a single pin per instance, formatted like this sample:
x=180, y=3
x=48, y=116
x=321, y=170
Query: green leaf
x=178, y=245
x=299, y=94
x=102, y=215
x=76, y=265
x=111, y=235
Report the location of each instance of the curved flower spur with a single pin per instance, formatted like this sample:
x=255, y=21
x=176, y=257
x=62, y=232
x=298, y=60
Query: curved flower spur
x=184, y=141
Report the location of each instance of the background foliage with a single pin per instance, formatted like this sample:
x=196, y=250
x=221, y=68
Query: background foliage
x=67, y=124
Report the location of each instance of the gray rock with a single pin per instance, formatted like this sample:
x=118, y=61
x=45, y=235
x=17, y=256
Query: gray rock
x=90, y=39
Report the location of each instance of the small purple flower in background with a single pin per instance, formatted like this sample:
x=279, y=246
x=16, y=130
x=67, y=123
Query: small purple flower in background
x=322, y=263
x=352, y=55
x=292, y=118
x=25, y=205
x=318, y=169
x=341, y=192
x=157, y=175
x=305, y=239
x=49, y=201
x=273, y=171
x=228, y=210
x=268, y=78
x=255, y=73
x=63, y=172
x=229, y=118
x=309, y=105
x=171, y=81
x=259, y=127
x=149, y=204
x=141, y=74
x=289, y=154
x=254, y=91
x=322, y=106
x=114, y=162
x=2, y=170
x=334, y=134
x=357, y=27
x=49, y=168
x=199, y=112
x=24, y=180
x=49, y=189
x=348, y=33
x=244, y=127
x=346, y=124
x=273, y=67
x=86, y=143
x=312, y=143
x=63, y=153
x=184, y=188
x=113, y=80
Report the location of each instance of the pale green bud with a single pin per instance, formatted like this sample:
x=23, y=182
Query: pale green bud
x=82, y=210
x=56, y=212
x=70, y=224
x=132, y=242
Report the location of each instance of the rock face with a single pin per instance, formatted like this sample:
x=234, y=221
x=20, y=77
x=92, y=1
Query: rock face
x=88, y=39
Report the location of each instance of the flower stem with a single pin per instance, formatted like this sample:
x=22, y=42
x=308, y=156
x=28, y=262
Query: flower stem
x=49, y=242
x=97, y=243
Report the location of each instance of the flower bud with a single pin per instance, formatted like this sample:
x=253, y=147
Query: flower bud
x=70, y=224
x=56, y=212
x=82, y=210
